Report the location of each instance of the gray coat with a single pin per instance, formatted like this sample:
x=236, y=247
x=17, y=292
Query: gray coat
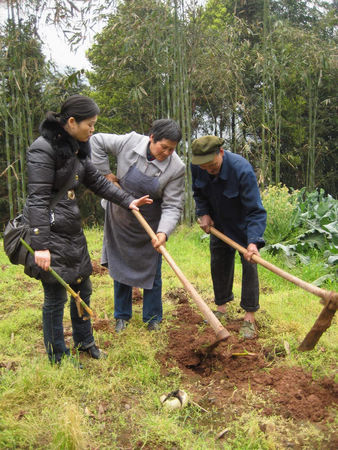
x=127, y=249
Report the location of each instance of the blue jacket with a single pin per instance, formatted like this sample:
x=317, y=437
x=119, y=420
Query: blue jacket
x=231, y=199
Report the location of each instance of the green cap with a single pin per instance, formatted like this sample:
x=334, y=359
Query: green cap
x=205, y=148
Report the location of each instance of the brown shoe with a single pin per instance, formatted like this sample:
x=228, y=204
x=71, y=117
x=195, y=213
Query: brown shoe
x=220, y=314
x=248, y=330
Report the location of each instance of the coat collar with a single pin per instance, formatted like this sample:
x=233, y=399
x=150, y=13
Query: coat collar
x=224, y=172
x=64, y=144
x=141, y=149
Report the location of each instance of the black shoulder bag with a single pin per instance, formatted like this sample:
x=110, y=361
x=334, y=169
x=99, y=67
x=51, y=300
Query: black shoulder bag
x=17, y=228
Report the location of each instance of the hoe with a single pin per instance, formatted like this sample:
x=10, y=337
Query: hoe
x=328, y=298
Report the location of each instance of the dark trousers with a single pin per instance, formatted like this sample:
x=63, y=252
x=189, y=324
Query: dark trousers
x=152, y=299
x=222, y=273
x=52, y=315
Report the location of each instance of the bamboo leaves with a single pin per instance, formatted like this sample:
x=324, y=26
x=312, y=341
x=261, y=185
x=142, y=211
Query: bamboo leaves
x=20, y=56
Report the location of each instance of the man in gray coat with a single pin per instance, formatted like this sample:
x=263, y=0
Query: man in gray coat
x=149, y=165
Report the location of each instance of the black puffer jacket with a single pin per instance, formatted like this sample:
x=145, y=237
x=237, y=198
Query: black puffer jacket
x=50, y=162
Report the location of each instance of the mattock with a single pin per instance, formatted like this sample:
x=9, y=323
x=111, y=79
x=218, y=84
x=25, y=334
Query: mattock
x=80, y=304
x=221, y=332
x=328, y=298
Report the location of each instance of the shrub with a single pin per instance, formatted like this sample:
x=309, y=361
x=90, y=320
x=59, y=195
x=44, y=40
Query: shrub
x=281, y=207
x=301, y=224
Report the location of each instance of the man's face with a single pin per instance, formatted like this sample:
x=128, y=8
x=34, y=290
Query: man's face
x=162, y=149
x=213, y=167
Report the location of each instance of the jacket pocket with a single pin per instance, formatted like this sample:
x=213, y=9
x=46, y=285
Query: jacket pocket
x=230, y=194
x=200, y=184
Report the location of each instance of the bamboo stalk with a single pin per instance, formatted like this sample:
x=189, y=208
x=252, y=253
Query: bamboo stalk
x=8, y=155
x=75, y=295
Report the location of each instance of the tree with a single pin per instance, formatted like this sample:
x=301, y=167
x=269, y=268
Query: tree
x=140, y=63
x=21, y=68
x=28, y=87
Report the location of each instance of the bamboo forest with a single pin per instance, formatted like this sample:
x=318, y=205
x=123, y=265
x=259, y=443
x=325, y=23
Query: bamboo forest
x=262, y=74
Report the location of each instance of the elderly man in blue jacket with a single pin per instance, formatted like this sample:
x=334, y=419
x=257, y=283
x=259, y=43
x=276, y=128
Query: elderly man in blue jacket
x=227, y=197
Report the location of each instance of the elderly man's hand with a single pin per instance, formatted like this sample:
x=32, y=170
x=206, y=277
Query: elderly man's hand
x=205, y=222
x=250, y=251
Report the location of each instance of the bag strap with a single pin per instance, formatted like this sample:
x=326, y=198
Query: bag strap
x=65, y=188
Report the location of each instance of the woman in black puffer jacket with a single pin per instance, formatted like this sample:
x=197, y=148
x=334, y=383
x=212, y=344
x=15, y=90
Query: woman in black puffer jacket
x=61, y=154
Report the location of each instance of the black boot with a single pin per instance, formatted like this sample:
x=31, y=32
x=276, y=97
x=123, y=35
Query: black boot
x=94, y=352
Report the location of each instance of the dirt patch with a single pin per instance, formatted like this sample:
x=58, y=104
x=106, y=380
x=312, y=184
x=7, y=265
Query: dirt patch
x=98, y=269
x=137, y=295
x=9, y=365
x=103, y=325
x=220, y=378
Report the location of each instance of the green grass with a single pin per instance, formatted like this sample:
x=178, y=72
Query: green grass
x=114, y=403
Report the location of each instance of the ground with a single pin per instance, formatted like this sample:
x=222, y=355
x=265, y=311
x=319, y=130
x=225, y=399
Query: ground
x=293, y=393
x=218, y=379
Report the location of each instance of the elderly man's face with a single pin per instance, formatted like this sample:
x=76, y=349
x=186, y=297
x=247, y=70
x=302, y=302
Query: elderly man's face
x=162, y=149
x=213, y=167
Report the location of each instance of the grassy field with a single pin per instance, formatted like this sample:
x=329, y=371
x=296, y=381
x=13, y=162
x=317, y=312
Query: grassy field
x=114, y=404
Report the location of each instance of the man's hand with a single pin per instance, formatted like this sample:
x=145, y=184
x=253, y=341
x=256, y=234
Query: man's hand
x=250, y=251
x=161, y=240
x=205, y=222
x=112, y=178
x=42, y=259
x=145, y=200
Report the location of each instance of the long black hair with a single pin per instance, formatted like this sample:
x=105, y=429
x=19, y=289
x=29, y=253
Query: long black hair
x=77, y=106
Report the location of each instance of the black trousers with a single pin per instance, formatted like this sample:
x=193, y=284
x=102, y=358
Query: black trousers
x=222, y=273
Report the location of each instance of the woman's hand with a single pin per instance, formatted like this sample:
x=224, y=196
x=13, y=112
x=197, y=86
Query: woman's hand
x=42, y=259
x=161, y=239
x=145, y=200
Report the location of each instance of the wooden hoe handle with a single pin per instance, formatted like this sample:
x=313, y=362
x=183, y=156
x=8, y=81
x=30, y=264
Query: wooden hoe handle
x=327, y=295
x=78, y=300
x=221, y=332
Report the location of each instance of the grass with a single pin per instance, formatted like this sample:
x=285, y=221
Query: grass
x=115, y=403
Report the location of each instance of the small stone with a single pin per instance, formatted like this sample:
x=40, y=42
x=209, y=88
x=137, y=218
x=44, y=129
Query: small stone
x=222, y=433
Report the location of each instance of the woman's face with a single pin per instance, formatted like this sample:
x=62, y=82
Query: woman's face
x=162, y=149
x=81, y=131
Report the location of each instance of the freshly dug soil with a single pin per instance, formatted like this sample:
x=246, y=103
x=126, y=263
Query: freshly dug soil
x=218, y=378
x=98, y=269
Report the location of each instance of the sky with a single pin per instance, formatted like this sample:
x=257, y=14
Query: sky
x=58, y=50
